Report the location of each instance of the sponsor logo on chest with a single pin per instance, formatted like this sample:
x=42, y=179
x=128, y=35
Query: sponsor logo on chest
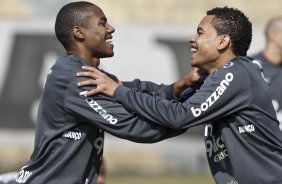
x=72, y=135
x=215, y=146
x=23, y=175
x=246, y=129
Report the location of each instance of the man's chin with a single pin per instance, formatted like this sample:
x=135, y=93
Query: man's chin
x=111, y=54
x=193, y=64
x=197, y=65
x=108, y=55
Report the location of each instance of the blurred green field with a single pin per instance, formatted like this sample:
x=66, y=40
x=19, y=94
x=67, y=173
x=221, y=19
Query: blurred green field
x=159, y=180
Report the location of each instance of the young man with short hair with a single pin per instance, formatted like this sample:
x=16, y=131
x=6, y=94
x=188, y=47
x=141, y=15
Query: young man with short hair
x=243, y=141
x=70, y=127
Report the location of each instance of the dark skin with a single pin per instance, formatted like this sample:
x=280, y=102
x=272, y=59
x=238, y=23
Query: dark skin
x=94, y=42
x=106, y=84
x=209, y=52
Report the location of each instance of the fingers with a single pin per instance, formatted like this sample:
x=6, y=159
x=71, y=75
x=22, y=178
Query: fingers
x=103, y=83
x=91, y=72
x=90, y=82
x=91, y=68
x=89, y=93
x=91, y=75
x=93, y=92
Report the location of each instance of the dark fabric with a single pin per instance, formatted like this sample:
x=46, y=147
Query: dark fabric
x=243, y=140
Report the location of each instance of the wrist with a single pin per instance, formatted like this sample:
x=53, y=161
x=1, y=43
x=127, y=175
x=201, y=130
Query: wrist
x=113, y=89
x=179, y=87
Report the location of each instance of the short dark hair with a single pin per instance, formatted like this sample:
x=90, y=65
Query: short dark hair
x=234, y=23
x=70, y=15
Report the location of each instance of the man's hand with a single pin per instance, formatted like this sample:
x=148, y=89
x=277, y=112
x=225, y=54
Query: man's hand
x=193, y=76
x=104, y=84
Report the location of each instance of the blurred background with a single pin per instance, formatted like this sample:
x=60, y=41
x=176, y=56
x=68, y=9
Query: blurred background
x=151, y=43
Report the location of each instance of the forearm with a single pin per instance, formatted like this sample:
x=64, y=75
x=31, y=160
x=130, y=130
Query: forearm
x=161, y=90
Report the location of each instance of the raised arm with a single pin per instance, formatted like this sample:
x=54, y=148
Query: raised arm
x=216, y=98
x=109, y=115
x=109, y=84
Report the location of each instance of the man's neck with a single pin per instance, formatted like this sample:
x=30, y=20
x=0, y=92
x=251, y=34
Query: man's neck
x=87, y=58
x=220, y=62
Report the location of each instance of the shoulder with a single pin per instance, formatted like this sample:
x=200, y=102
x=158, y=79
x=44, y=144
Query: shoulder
x=234, y=72
x=235, y=67
x=68, y=62
x=63, y=72
x=66, y=67
x=242, y=65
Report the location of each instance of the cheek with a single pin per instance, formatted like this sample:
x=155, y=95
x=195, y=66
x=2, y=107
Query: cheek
x=208, y=47
x=210, y=44
x=94, y=35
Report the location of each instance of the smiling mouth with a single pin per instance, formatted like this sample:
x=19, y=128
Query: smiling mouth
x=109, y=41
x=193, y=50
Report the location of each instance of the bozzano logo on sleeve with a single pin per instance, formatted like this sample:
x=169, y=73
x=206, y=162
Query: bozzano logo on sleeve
x=214, y=96
x=99, y=109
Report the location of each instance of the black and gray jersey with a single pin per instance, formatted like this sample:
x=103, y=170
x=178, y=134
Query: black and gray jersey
x=273, y=75
x=243, y=141
x=70, y=128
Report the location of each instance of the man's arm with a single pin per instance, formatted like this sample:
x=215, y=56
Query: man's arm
x=109, y=115
x=142, y=86
x=161, y=90
x=212, y=101
x=168, y=92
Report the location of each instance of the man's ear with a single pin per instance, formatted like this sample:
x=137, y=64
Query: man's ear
x=225, y=42
x=78, y=32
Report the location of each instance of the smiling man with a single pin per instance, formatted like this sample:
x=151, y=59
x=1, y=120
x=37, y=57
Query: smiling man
x=242, y=137
x=69, y=139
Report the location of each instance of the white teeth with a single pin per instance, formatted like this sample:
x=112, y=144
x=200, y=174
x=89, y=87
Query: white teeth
x=193, y=50
x=109, y=40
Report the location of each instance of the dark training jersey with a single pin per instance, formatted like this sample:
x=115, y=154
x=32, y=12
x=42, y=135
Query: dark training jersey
x=273, y=75
x=242, y=137
x=70, y=128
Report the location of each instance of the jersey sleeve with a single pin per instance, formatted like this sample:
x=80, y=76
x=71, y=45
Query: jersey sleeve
x=109, y=115
x=224, y=92
x=161, y=90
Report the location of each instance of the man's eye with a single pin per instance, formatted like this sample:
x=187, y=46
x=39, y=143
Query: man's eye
x=103, y=23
